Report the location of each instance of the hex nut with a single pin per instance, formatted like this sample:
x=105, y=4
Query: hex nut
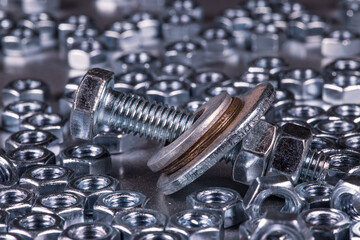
x=137, y=81
x=263, y=187
x=307, y=28
x=283, y=99
x=66, y=103
x=37, y=6
x=8, y=173
x=186, y=6
x=95, y=230
x=304, y=83
x=349, y=14
x=4, y=221
x=340, y=43
x=225, y=201
x=319, y=143
x=91, y=187
x=254, y=78
x=37, y=226
x=69, y=25
x=309, y=114
x=317, y=194
x=336, y=128
x=290, y=151
x=14, y=113
x=188, y=52
x=121, y=35
x=139, y=220
x=110, y=204
x=36, y=138
x=135, y=60
x=16, y=201
x=266, y=37
x=86, y=159
x=255, y=152
x=148, y=26
x=12, y=236
x=327, y=223
x=177, y=26
x=274, y=66
x=82, y=34
x=27, y=157
x=208, y=224
x=46, y=179
x=228, y=87
x=345, y=111
x=341, y=67
x=170, y=92
x=85, y=54
x=68, y=206
x=341, y=89
x=351, y=142
x=193, y=105
x=218, y=44
x=51, y=122
x=153, y=235
x=176, y=71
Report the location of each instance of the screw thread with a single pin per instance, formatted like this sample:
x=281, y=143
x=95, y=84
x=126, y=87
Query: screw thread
x=232, y=154
x=315, y=167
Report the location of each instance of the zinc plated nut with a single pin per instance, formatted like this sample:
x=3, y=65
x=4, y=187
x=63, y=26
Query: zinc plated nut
x=234, y=89
x=274, y=66
x=345, y=111
x=66, y=103
x=316, y=194
x=70, y=24
x=159, y=235
x=283, y=99
x=38, y=6
x=187, y=52
x=109, y=205
x=186, y=6
x=336, y=128
x=72, y=84
x=254, y=78
x=46, y=179
x=148, y=26
x=355, y=231
x=266, y=38
x=349, y=14
x=342, y=67
x=350, y=142
x=137, y=81
x=340, y=43
x=309, y=114
x=122, y=35
x=8, y=173
x=89, y=230
x=16, y=201
x=174, y=70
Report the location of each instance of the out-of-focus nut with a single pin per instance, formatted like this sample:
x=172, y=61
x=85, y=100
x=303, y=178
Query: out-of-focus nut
x=69, y=206
x=90, y=230
x=136, y=60
x=345, y=111
x=320, y=143
x=350, y=142
x=292, y=9
x=110, y=204
x=176, y=71
x=14, y=113
x=327, y=223
x=276, y=18
x=139, y=220
x=255, y=152
x=170, y=92
x=304, y=83
x=309, y=114
x=46, y=179
x=283, y=99
x=8, y=173
x=51, y=122
x=137, y=81
x=317, y=194
x=25, y=89
x=38, y=226
x=81, y=34
x=197, y=224
x=86, y=159
x=26, y=157
x=224, y=201
x=178, y=26
x=274, y=66
x=342, y=67
x=228, y=87
x=266, y=37
x=69, y=25
x=349, y=14
x=341, y=89
x=12, y=236
x=254, y=78
x=38, y=6
x=16, y=201
x=148, y=25
x=336, y=128
x=186, y=6
x=340, y=43
x=72, y=84
x=121, y=35
x=187, y=52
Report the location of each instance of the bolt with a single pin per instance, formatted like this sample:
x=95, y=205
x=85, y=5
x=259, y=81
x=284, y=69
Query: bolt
x=194, y=141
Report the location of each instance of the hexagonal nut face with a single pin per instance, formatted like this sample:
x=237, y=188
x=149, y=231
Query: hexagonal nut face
x=340, y=43
x=46, y=179
x=197, y=224
x=135, y=60
x=320, y=143
x=148, y=25
x=133, y=81
x=37, y=226
x=255, y=152
x=342, y=89
x=13, y=114
x=138, y=220
x=264, y=187
x=88, y=97
x=69, y=206
x=266, y=37
x=8, y=172
x=187, y=6
x=218, y=44
x=290, y=151
x=108, y=205
x=317, y=194
x=336, y=128
x=186, y=52
x=90, y=230
x=71, y=23
x=307, y=28
x=86, y=159
x=179, y=26
x=304, y=83
x=25, y=89
x=86, y=54
x=121, y=35
x=16, y=201
x=170, y=92
x=24, y=158
x=91, y=187
x=327, y=223
x=225, y=201
x=344, y=191
x=306, y=113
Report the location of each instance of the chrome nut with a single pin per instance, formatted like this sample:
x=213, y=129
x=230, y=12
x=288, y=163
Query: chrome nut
x=6, y=25
x=21, y=42
x=94, y=230
x=336, y=128
x=187, y=52
x=8, y=172
x=274, y=66
x=4, y=221
x=176, y=71
x=27, y=157
x=228, y=87
x=133, y=61
x=81, y=34
x=254, y=78
x=66, y=103
x=46, y=179
x=351, y=142
x=170, y=92
x=25, y=89
x=316, y=194
x=186, y=6
x=255, y=152
x=68, y=206
x=38, y=226
x=292, y=9
x=110, y=204
x=159, y=235
x=225, y=201
x=309, y=114
x=72, y=84
x=16, y=201
x=69, y=25
x=137, y=81
x=340, y=43
x=14, y=113
x=327, y=223
x=283, y=99
x=290, y=151
x=36, y=138
x=38, y=6
x=139, y=220
x=229, y=16
x=197, y=224
x=121, y=35
x=148, y=26
x=193, y=105
x=266, y=37
x=86, y=159
x=349, y=14
x=341, y=67
x=91, y=187
x=304, y=83
x=86, y=54
x=341, y=89
x=345, y=111
x=178, y=26
x=276, y=18
x=319, y=143
x=264, y=187
x=51, y=122
x=153, y=5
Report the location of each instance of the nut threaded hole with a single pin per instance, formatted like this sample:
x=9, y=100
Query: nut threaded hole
x=215, y=196
x=121, y=200
x=31, y=137
x=348, y=110
x=139, y=219
x=304, y=111
x=195, y=220
x=92, y=183
x=37, y=221
x=319, y=143
x=338, y=126
x=210, y=77
x=27, y=154
x=25, y=107
x=40, y=120
x=12, y=196
x=323, y=218
x=353, y=142
x=48, y=173
x=62, y=200
x=347, y=64
x=24, y=84
x=343, y=160
x=317, y=191
x=303, y=74
x=85, y=151
x=346, y=80
x=89, y=231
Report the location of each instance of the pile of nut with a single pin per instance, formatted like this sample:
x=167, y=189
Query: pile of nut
x=299, y=143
